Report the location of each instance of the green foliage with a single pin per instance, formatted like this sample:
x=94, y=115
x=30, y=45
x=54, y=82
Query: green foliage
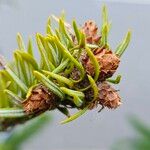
x=140, y=142
x=59, y=54
x=123, y=45
x=22, y=133
x=116, y=80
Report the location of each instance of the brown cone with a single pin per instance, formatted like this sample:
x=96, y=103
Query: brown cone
x=108, y=96
x=108, y=62
x=90, y=29
x=40, y=100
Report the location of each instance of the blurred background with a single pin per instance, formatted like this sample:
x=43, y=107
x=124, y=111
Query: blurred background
x=94, y=130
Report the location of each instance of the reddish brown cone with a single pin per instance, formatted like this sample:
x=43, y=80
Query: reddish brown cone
x=108, y=62
x=40, y=100
x=108, y=96
x=90, y=29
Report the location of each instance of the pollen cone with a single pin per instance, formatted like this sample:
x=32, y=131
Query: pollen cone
x=40, y=100
x=107, y=60
x=108, y=96
x=90, y=29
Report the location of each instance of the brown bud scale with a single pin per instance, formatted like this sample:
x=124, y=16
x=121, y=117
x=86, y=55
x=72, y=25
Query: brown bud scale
x=90, y=29
x=107, y=60
x=40, y=100
x=108, y=96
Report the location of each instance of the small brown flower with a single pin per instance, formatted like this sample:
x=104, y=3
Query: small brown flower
x=90, y=29
x=40, y=100
x=107, y=60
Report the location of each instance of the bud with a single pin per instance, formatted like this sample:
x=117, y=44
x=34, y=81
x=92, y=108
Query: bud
x=90, y=29
x=107, y=60
x=108, y=96
x=40, y=100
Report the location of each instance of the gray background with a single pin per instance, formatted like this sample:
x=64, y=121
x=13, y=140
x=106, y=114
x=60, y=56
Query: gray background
x=91, y=131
